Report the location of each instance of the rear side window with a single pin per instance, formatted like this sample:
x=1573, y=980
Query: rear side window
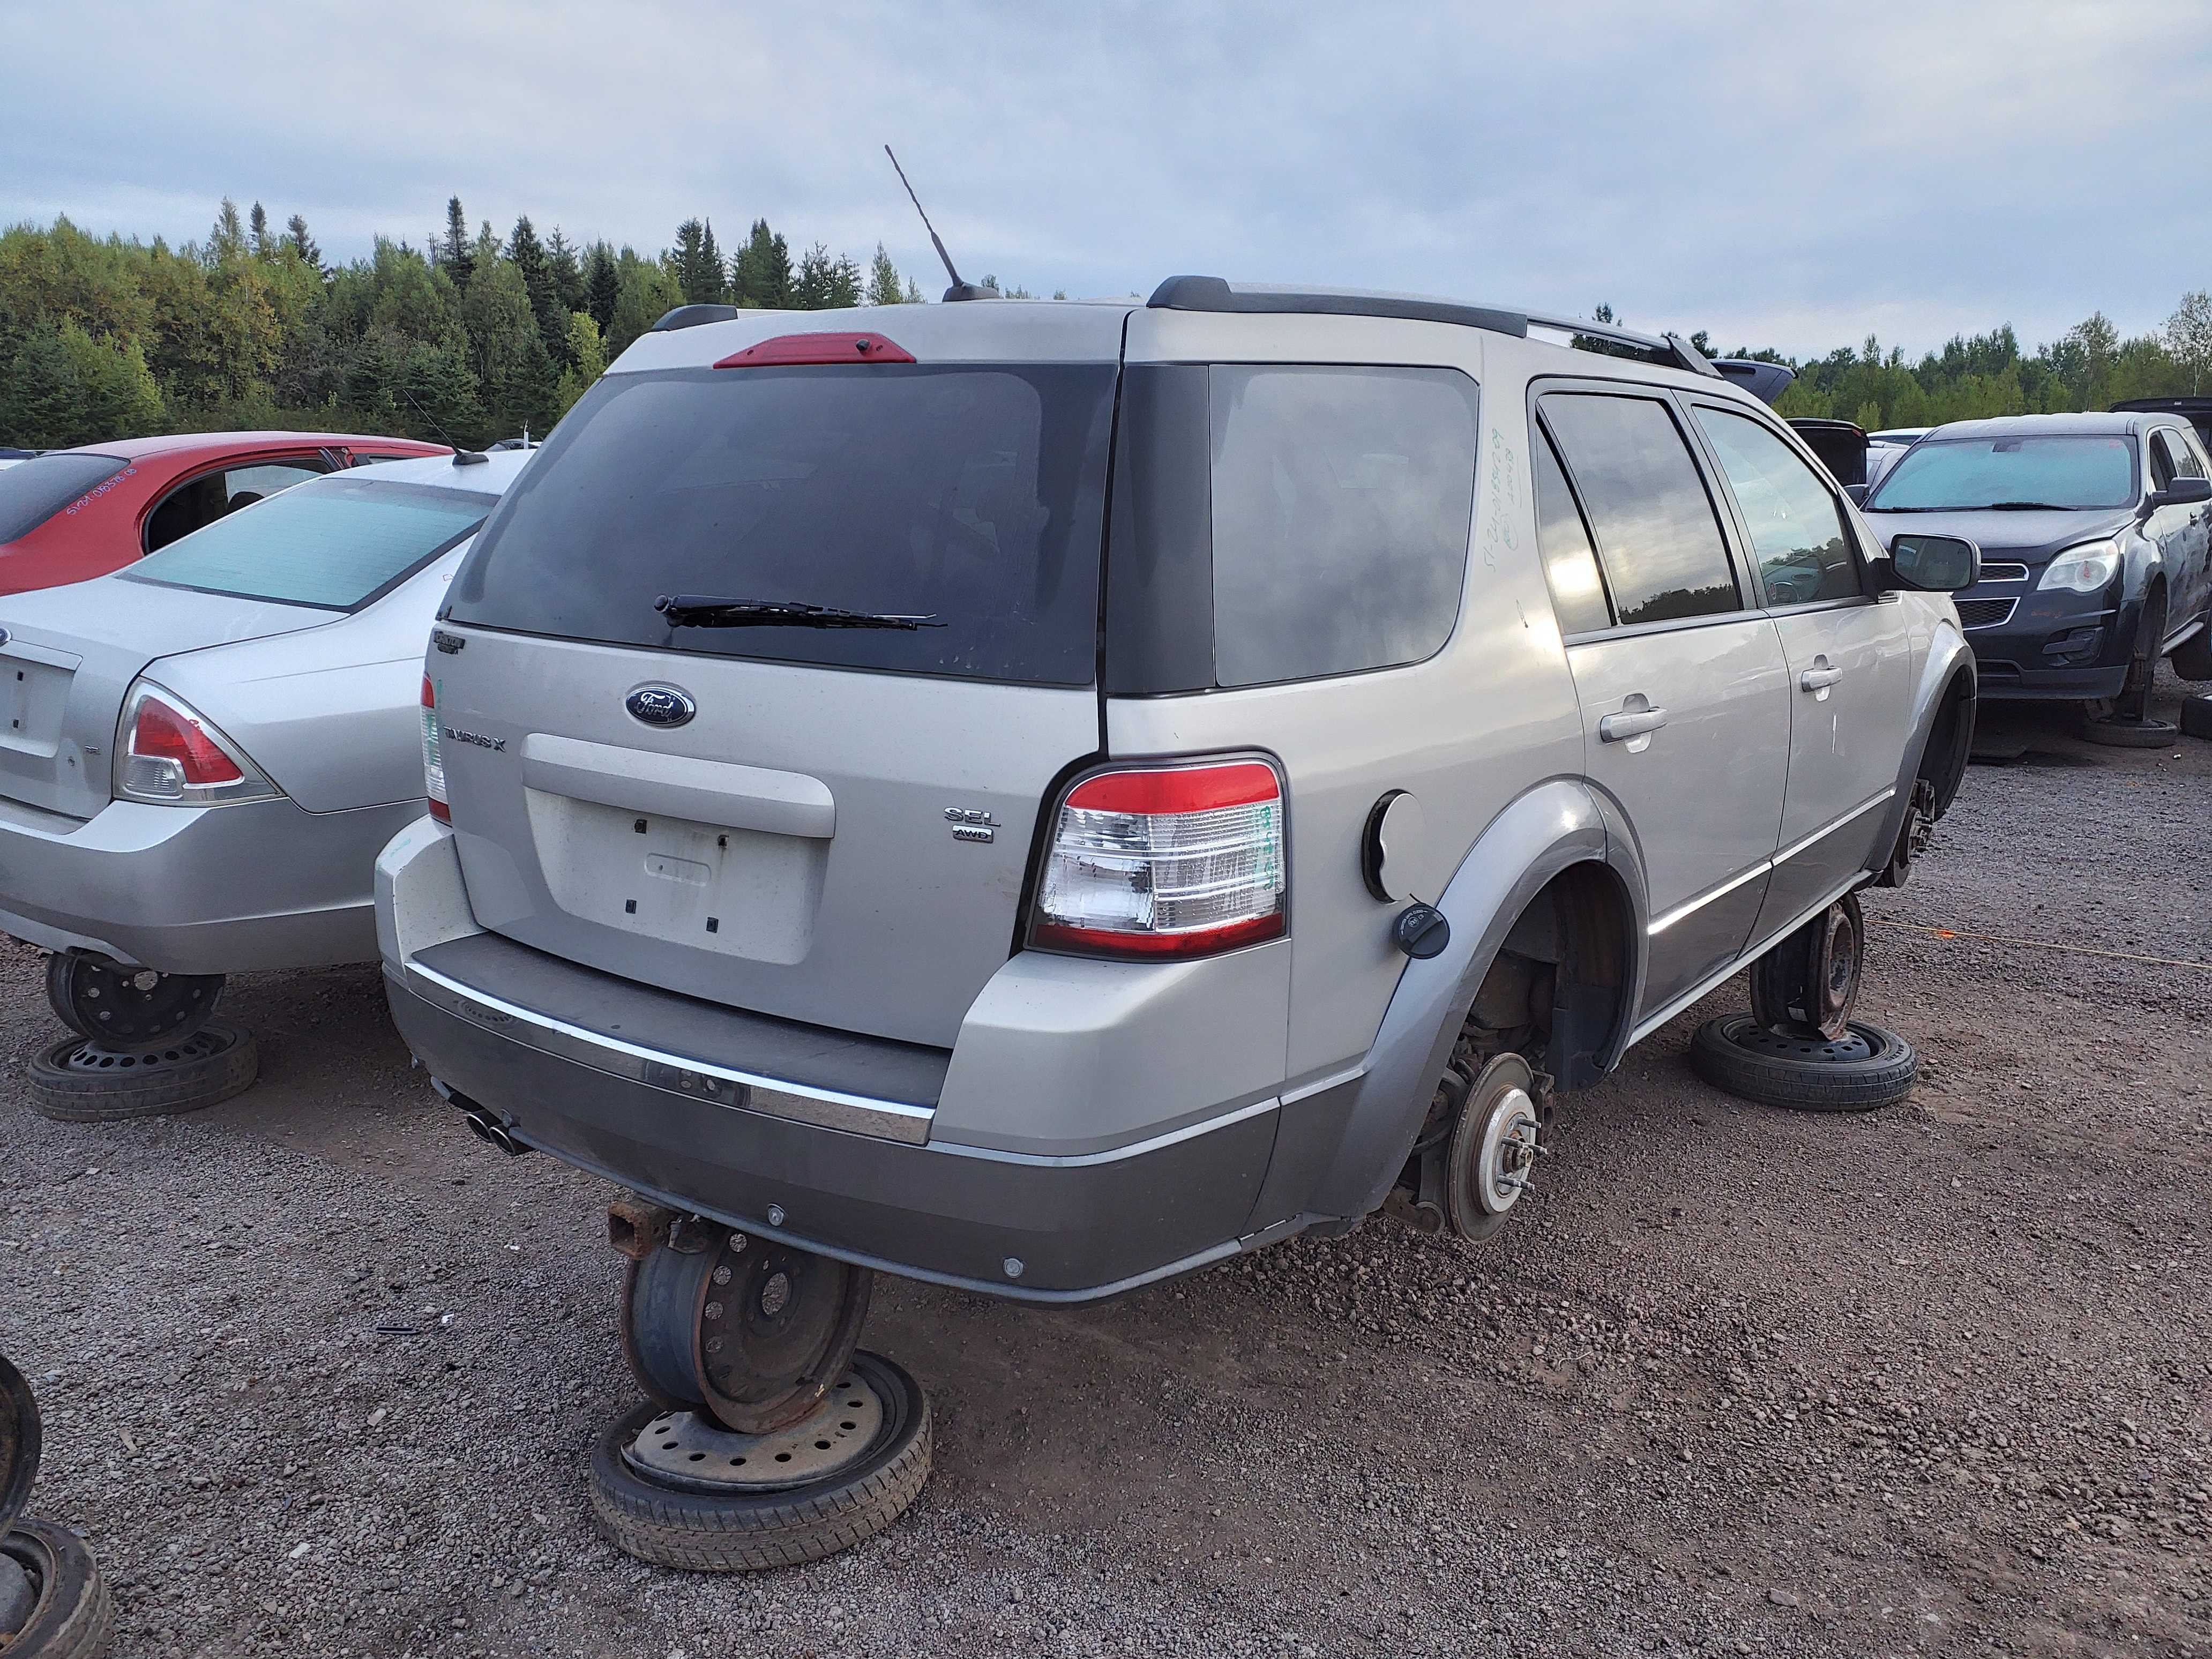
x=1657, y=537
x=336, y=543
x=972, y=494
x=1570, y=559
x=200, y=502
x=1341, y=503
x=32, y=491
x=1797, y=530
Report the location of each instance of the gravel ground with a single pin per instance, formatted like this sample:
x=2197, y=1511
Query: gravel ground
x=320, y=1371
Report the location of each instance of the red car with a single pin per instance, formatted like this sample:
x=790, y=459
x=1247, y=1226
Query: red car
x=70, y=514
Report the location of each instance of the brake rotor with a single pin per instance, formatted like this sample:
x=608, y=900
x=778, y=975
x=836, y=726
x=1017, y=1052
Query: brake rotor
x=1808, y=985
x=753, y=1331
x=1493, y=1150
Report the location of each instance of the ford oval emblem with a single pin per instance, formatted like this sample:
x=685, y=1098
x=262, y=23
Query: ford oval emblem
x=660, y=705
x=4, y=637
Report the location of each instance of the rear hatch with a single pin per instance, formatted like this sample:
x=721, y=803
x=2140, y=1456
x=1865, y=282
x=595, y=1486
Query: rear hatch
x=70, y=656
x=827, y=823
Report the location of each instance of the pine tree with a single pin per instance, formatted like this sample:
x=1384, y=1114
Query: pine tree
x=602, y=286
x=885, y=286
x=530, y=259
x=455, y=252
x=763, y=269
x=811, y=288
x=263, y=246
x=227, y=239
x=586, y=361
x=563, y=261
x=514, y=369
x=295, y=233
x=698, y=266
x=912, y=292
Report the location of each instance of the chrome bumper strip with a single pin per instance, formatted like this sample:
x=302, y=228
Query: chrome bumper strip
x=678, y=1074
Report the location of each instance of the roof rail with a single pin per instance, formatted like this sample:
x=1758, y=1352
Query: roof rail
x=691, y=316
x=1668, y=351
x=1213, y=294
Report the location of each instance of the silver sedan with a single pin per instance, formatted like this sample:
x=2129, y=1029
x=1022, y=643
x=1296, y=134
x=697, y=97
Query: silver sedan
x=204, y=752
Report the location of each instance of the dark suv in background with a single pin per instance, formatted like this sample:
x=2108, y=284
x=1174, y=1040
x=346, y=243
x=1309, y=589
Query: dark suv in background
x=2096, y=555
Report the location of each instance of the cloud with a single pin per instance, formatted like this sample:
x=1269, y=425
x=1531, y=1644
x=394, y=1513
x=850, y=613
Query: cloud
x=1791, y=175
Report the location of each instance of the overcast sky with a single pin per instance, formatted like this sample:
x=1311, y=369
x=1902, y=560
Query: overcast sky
x=1776, y=176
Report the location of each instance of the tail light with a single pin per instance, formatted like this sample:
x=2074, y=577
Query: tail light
x=433, y=758
x=1166, y=861
x=168, y=756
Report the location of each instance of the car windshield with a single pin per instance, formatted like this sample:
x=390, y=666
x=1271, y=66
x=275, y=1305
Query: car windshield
x=336, y=542
x=32, y=491
x=1962, y=474
x=968, y=496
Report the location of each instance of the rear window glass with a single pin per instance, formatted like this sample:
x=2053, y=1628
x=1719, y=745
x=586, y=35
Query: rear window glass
x=32, y=491
x=1342, y=499
x=972, y=494
x=1964, y=474
x=335, y=543
x=1657, y=535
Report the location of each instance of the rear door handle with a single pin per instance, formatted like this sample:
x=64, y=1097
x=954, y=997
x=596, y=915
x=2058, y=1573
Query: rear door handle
x=1819, y=679
x=1629, y=723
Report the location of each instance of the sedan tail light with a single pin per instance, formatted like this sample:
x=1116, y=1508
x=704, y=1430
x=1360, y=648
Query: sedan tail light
x=1166, y=861
x=433, y=758
x=168, y=756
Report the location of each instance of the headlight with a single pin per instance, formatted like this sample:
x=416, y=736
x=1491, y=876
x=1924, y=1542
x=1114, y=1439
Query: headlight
x=2083, y=569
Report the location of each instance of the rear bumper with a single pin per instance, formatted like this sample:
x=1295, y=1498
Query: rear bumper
x=1079, y=1140
x=184, y=889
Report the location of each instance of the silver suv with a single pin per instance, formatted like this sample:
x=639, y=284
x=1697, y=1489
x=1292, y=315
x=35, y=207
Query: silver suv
x=1043, y=796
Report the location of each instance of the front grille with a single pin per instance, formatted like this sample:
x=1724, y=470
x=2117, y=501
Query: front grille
x=2004, y=573
x=1985, y=613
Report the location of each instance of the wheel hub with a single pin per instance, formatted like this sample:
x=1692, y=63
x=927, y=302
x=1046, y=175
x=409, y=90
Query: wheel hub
x=749, y=1329
x=1493, y=1148
x=1808, y=984
x=690, y=1449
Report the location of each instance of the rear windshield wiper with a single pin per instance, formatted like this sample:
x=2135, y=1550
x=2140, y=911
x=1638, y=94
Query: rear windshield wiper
x=705, y=611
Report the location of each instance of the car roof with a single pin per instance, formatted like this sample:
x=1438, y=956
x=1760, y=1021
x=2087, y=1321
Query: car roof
x=489, y=477
x=2088, y=423
x=196, y=445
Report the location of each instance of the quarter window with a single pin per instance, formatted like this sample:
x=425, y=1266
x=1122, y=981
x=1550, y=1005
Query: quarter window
x=1342, y=499
x=1570, y=559
x=1797, y=530
x=1657, y=539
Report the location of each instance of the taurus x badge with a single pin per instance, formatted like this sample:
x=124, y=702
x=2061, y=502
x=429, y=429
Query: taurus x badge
x=660, y=705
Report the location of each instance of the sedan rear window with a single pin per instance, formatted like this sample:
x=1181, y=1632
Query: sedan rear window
x=33, y=491
x=1964, y=475
x=969, y=496
x=337, y=542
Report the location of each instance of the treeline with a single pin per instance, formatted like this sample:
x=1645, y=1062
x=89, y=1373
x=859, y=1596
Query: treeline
x=472, y=337
x=2091, y=366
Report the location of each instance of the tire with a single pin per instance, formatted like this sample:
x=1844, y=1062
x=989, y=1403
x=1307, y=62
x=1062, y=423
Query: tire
x=72, y=1617
x=2132, y=705
x=2192, y=657
x=1772, y=1073
x=96, y=999
x=747, y=1531
x=2131, y=734
x=77, y=1081
x=19, y=1442
x=2197, y=716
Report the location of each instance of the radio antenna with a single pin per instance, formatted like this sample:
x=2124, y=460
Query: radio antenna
x=959, y=290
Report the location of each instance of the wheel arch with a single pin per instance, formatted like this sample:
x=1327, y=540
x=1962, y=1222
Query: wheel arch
x=1552, y=845
x=1945, y=700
